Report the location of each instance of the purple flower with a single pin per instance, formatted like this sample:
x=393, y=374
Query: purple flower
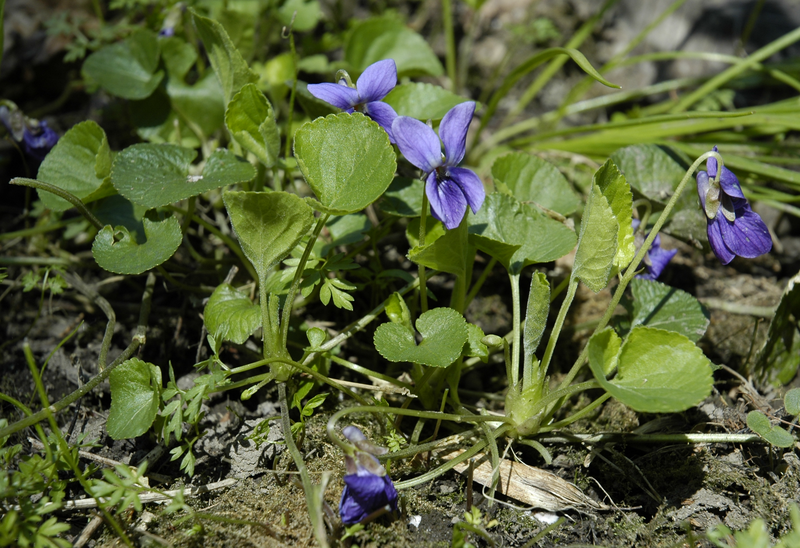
x=367, y=487
x=449, y=188
x=374, y=84
x=36, y=138
x=656, y=259
x=733, y=228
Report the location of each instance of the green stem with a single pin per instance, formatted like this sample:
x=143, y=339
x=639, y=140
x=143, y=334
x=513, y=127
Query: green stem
x=450, y=44
x=634, y=265
x=308, y=487
x=577, y=416
x=61, y=193
x=36, y=230
x=596, y=439
x=516, y=335
x=562, y=315
x=423, y=226
x=298, y=277
x=479, y=283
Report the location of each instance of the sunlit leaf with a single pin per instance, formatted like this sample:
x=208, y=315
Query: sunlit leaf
x=380, y=38
x=135, y=395
x=531, y=179
x=422, y=101
x=597, y=243
x=251, y=121
x=613, y=186
x=79, y=163
x=230, y=315
x=759, y=423
x=116, y=249
x=443, y=330
x=347, y=161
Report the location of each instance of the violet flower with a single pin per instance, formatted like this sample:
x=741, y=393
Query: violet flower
x=656, y=259
x=449, y=188
x=733, y=228
x=367, y=488
x=36, y=138
x=374, y=84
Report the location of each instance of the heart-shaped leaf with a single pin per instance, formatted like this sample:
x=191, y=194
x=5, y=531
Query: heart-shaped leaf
x=79, y=163
x=127, y=69
x=597, y=243
x=531, y=179
x=135, y=395
x=157, y=175
x=228, y=64
x=516, y=234
x=116, y=249
x=443, y=330
x=657, y=371
x=668, y=308
x=347, y=161
x=230, y=315
x=422, y=101
x=447, y=253
x=251, y=121
x=759, y=423
x=380, y=38
x=268, y=224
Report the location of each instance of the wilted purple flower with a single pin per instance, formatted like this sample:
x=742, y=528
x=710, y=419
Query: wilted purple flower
x=367, y=487
x=733, y=228
x=449, y=188
x=36, y=138
x=656, y=259
x=374, y=84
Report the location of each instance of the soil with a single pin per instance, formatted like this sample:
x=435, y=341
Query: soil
x=660, y=495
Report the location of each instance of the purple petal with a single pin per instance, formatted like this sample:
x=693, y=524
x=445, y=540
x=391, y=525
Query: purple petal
x=377, y=81
x=730, y=184
x=448, y=203
x=383, y=114
x=418, y=143
x=37, y=141
x=363, y=495
x=702, y=187
x=353, y=433
x=453, y=131
x=658, y=261
x=747, y=236
x=336, y=94
x=716, y=242
x=470, y=184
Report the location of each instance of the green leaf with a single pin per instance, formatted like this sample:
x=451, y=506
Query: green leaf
x=380, y=38
x=604, y=353
x=447, y=253
x=135, y=395
x=654, y=172
x=230, y=315
x=157, y=175
x=664, y=307
x=268, y=224
x=251, y=121
x=127, y=69
x=200, y=106
x=403, y=198
x=536, y=314
x=116, y=249
x=178, y=55
x=657, y=371
x=531, y=179
x=116, y=210
x=443, y=330
x=422, y=101
x=779, y=358
x=475, y=347
x=79, y=163
x=612, y=183
x=397, y=311
x=516, y=234
x=347, y=161
x=759, y=423
x=303, y=15
x=228, y=64
x=597, y=243
x=792, y=401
